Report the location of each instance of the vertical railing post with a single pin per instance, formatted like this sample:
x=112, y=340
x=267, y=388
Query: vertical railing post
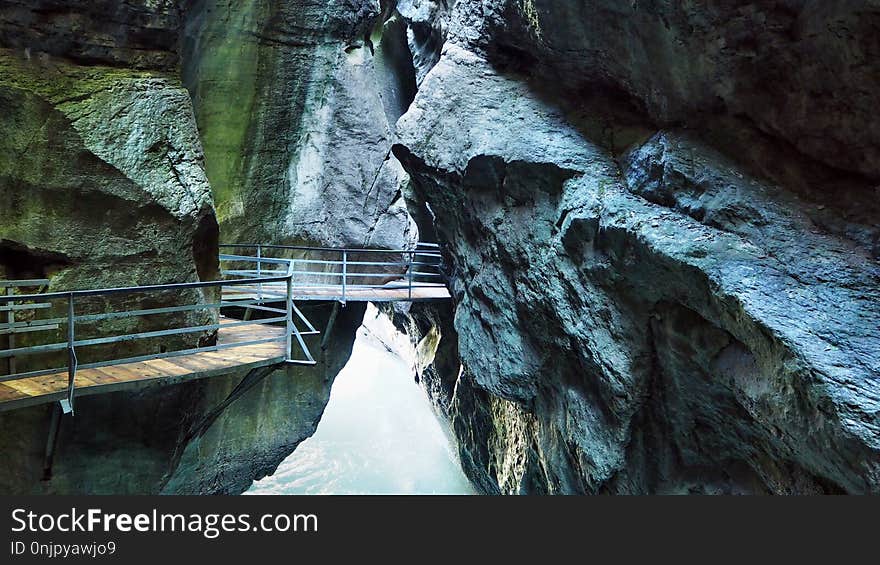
x=71, y=356
x=289, y=307
x=292, y=271
x=259, y=272
x=344, y=273
x=409, y=274
x=10, y=317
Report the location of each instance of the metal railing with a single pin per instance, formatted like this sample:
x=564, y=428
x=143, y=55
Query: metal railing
x=72, y=301
x=13, y=326
x=275, y=280
x=345, y=270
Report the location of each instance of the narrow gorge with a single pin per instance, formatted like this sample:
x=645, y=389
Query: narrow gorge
x=659, y=223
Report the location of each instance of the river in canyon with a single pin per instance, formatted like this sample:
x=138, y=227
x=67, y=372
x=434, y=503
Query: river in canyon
x=379, y=433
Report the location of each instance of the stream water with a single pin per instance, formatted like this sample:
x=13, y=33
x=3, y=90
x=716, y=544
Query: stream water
x=379, y=433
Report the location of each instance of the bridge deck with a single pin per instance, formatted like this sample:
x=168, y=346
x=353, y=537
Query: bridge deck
x=127, y=376
x=392, y=292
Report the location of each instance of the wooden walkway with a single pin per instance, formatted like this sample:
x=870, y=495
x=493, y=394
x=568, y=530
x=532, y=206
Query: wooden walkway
x=391, y=292
x=169, y=370
x=254, y=281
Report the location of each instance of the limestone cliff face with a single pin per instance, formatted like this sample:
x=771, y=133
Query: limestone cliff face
x=101, y=173
x=660, y=221
x=103, y=183
x=296, y=102
x=662, y=225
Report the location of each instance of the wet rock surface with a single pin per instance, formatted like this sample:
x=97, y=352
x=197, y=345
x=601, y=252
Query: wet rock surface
x=655, y=291
x=103, y=183
x=660, y=222
x=316, y=87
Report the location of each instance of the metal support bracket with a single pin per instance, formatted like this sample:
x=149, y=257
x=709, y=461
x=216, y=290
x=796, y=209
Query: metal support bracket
x=58, y=412
x=326, y=337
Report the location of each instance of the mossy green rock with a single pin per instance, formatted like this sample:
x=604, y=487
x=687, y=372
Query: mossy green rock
x=296, y=104
x=101, y=176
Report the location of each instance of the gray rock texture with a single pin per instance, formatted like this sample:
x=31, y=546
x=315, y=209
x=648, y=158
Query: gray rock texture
x=103, y=183
x=661, y=223
x=296, y=104
x=102, y=180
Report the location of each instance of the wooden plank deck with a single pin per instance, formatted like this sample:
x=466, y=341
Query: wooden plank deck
x=391, y=292
x=170, y=370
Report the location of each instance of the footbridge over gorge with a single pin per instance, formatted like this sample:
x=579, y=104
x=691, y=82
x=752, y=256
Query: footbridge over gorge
x=57, y=346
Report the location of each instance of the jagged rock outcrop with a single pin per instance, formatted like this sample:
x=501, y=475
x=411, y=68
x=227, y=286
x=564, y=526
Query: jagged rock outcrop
x=665, y=261
x=315, y=90
x=103, y=184
x=102, y=175
x=426, y=28
x=102, y=181
x=660, y=222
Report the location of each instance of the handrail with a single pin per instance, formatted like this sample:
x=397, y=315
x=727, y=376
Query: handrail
x=24, y=282
x=12, y=327
x=337, y=249
x=73, y=342
x=139, y=289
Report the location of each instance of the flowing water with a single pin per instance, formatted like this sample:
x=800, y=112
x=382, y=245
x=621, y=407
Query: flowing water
x=379, y=433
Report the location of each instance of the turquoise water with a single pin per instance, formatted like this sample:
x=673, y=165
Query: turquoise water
x=378, y=435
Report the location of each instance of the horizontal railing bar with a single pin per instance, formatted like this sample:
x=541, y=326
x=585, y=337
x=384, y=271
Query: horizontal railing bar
x=368, y=263
x=351, y=275
x=18, y=307
x=165, y=310
x=24, y=282
x=23, y=330
x=32, y=349
x=254, y=259
x=347, y=275
x=252, y=272
x=32, y=323
x=376, y=263
x=174, y=331
x=266, y=295
x=318, y=261
x=401, y=286
x=401, y=281
x=328, y=249
x=139, y=289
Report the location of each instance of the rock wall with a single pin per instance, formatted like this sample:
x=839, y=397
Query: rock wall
x=661, y=221
x=102, y=180
x=101, y=173
x=296, y=103
x=103, y=183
